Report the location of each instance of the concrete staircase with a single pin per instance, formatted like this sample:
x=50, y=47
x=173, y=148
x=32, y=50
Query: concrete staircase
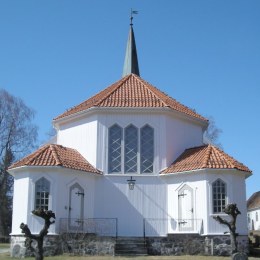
x=130, y=246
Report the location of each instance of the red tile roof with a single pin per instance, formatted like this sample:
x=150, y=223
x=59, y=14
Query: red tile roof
x=132, y=91
x=56, y=155
x=204, y=157
x=254, y=201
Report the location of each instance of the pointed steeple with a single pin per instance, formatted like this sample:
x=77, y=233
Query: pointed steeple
x=131, y=60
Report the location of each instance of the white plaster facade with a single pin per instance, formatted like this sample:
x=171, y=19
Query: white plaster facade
x=254, y=219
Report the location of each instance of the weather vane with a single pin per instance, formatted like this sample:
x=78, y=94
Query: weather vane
x=131, y=17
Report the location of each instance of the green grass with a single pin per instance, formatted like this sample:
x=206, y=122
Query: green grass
x=4, y=245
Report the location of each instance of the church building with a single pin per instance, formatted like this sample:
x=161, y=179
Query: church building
x=130, y=161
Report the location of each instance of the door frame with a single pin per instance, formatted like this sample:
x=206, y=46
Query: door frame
x=82, y=195
x=182, y=221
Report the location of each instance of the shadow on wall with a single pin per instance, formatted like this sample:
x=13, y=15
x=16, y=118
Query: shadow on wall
x=132, y=208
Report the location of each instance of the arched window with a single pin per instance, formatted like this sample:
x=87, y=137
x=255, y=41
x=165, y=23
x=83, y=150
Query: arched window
x=114, y=149
x=147, y=149
x=219, y=191
x=42, y=194
x=131, y=149
x=256, y=216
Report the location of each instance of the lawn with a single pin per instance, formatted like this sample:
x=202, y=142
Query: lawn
x=4, y=245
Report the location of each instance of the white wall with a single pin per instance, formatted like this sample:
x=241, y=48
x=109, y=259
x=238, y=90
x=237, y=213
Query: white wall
x=147, y=200
x=236, y=193
x=80, y=135
x=90, y=135
x=201, y=183
x=61, y=180
x=197, y=182
x=154, y=198
x=20, y=201
x=180, y=135
x=254, y=219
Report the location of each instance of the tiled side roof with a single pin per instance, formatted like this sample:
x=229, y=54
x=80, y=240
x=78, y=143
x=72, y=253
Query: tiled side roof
x=132, y=91
x=204, y=157
x=56, y=155
x=254, y=201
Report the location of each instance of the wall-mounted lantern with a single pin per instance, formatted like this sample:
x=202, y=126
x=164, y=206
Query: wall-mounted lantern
x=131, y=183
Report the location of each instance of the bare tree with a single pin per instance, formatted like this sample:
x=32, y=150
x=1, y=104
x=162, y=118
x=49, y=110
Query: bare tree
x=18, y=137
x=211, y=135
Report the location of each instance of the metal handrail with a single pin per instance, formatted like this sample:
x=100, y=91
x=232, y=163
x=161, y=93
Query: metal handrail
x=151, y=226
x=98, y=226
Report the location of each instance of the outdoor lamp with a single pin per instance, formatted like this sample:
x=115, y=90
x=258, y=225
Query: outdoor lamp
x=131, y=183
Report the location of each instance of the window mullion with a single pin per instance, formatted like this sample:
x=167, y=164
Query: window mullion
x=138, y=152
x=123, y=152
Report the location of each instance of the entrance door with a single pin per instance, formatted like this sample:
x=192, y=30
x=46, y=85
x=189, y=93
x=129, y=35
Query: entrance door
x=185, y=201
x=76, y=207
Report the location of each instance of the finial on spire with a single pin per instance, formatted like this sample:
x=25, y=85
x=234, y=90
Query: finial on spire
x=131, y=16
x=131, y=61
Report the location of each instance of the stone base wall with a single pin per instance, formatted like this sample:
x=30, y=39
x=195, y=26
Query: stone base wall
x=51, y=244
x=221, y=245
x=74, y=244
x=194, y=244
x=90, y=244
x=177, y=244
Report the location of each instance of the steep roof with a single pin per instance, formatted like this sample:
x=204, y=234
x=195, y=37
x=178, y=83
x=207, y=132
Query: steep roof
x=56, y=155
x=204, y=157
x=131, y=59
x=132, y=92
x=254, y=201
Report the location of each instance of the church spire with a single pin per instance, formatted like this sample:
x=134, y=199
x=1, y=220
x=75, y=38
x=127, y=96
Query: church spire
x=131, y=60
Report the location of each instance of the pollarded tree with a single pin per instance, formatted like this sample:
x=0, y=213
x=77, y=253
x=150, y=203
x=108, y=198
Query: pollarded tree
x=18, y=137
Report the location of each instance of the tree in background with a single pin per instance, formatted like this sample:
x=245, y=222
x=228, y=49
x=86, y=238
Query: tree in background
x=18, y=137
x=211, y=135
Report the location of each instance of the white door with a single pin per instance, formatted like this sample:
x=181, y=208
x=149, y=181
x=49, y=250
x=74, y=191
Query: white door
x=76, y=207
x=185, y=201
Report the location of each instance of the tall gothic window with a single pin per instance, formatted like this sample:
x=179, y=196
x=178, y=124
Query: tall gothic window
x=147, y=149
x=219, y=191
x=115, y=150
x=130, y=150
x=42, y=194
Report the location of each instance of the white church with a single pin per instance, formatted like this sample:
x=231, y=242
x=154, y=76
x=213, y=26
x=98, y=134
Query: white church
x=129, y=162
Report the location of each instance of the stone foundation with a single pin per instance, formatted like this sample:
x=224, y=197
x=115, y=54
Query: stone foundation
x=194, y=244
x=186, y=244
x=51, y=244
x=74, y=244
x=90, y=244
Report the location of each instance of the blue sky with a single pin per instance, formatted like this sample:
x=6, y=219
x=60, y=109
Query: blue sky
x=205, y=53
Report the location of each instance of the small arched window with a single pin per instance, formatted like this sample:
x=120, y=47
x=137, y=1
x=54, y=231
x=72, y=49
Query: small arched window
x=256, y=216
x=42, y=194
x=219, y=191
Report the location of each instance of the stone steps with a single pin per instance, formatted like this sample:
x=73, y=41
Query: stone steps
x=132, y=246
